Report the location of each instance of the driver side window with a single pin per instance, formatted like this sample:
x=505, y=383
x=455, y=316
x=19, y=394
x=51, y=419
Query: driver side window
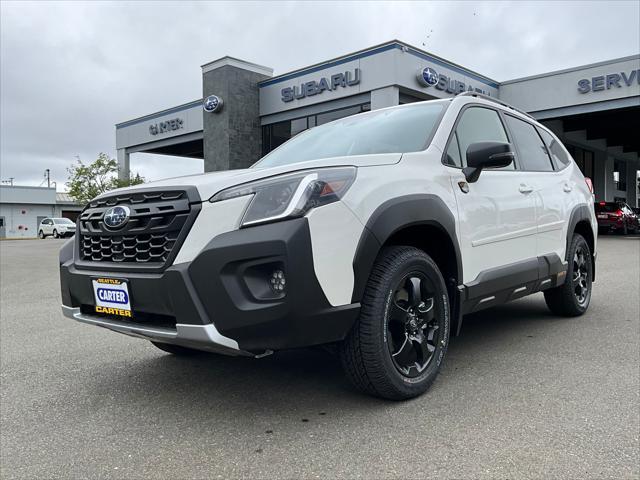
x=479, y=124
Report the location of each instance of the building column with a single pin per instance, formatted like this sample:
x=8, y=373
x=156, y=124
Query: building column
x=123, y=164
x=232, y=133
x=385, y=97
x=600, y=175
x=632, y=182
x=608, y=178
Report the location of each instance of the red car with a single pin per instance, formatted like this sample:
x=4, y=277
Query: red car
x=616, y=216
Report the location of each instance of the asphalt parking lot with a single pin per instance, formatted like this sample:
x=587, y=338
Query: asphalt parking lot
x=522, y=394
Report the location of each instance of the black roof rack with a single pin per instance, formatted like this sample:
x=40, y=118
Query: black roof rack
x=494, y=100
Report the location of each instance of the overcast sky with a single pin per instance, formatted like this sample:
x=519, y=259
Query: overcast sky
x=70, y=71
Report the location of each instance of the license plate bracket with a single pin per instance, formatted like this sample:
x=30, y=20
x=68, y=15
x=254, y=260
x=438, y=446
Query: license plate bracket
x=112, y=297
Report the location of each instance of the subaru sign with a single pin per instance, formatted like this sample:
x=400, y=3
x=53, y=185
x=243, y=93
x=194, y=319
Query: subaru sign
x=212, y=104
x=308, y=89
x=429, y=77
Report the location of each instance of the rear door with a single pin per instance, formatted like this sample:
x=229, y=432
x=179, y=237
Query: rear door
x=551, y=190
x=497, y=219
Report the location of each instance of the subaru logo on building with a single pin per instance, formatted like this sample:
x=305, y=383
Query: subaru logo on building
x=212, y=104
x=428, y=77
x=116, y=217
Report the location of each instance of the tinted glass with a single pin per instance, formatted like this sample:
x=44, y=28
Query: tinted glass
x=558, y=155
x=532, y=153
x=398, y=130
x=607, y=207
x=453, y=153
x=61, y=221
x=480, y=125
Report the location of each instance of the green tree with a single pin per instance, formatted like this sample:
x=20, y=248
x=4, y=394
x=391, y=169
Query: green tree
x=88, y=181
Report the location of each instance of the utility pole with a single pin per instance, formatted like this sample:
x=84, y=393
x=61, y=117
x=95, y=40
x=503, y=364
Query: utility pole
x=10, y=181
x=47, y=175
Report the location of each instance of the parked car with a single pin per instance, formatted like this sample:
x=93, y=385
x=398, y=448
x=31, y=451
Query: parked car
x=56, y=227
x=616, y=217
x=375, y=233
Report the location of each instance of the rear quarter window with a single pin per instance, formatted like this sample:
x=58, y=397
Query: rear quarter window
x=558, y=154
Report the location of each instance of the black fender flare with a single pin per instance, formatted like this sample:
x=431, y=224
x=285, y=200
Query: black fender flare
x=394, y=215
x=578, y=214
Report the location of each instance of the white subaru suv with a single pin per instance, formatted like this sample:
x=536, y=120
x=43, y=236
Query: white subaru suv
x=376, y=233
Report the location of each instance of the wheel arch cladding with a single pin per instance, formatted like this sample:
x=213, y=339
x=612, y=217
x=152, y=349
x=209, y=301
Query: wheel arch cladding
x=423, y=221
x=580, y=222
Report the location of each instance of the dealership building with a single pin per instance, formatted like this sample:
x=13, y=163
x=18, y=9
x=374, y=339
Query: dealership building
x=22, y=208
x=245, y=111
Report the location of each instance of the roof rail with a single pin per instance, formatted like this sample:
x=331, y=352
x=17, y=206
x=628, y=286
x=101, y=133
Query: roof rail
x=495, y=100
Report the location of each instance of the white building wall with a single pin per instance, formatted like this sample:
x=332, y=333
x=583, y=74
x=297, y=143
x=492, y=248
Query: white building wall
x=21, y=221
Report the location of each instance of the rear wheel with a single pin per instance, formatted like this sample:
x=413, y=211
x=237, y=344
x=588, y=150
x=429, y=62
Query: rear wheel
x=176, y=349
x=572, y=297
x=399, y=341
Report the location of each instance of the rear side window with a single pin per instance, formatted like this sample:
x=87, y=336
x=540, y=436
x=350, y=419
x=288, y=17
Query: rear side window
x=559, y=156
x=532, y=153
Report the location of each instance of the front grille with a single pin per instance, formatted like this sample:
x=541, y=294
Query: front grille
x=157, y=223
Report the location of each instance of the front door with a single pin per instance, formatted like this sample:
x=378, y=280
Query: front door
x=496, y=213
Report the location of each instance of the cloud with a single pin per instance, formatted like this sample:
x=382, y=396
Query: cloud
x=71, y=71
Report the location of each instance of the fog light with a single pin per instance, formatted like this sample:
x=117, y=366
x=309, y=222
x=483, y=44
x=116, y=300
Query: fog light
x=277, y=281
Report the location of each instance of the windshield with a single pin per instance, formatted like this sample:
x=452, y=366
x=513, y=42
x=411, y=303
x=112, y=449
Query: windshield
x=397, y=130
x=64, y=221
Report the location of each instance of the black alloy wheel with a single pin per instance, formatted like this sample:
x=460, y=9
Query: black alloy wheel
x=572, y=297
x=413, y=325
x=581, y=275
x=397, y=345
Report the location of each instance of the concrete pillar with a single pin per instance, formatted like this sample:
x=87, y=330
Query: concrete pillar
x=385, y=97
x=632, y=182
x=232, y=134
x=608, y=175
x=600, y=175
x=123, y=164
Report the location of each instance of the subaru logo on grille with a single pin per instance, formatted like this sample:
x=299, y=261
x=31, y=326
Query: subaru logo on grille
x=116, y=217
x=428, y=77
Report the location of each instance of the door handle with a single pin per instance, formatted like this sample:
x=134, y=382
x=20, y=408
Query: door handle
x=525, y=188
x=567, y=188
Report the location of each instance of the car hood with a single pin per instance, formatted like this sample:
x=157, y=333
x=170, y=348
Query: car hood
x=208, y=184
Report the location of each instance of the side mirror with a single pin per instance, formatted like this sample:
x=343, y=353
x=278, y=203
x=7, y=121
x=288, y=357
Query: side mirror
x=486, y=155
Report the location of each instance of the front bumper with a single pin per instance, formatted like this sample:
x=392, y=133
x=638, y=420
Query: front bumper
x=220, y=301
x=201, y=337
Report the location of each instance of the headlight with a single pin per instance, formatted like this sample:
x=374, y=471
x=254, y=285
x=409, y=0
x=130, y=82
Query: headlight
x=291, y=195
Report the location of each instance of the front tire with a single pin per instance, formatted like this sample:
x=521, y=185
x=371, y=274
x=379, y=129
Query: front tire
x=397, y=345
x=176, y=349
x=55, y=234
x=41, y=235
x=572, y=298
